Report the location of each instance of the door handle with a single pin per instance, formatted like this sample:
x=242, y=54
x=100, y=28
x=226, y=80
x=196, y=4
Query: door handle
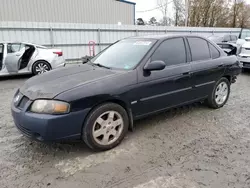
x=186, y=73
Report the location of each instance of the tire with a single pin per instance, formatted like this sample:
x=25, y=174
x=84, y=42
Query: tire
x=102, y=132
x=213, y=99
x=40, y=67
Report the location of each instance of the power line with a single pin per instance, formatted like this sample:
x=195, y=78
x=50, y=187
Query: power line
x=154, y=8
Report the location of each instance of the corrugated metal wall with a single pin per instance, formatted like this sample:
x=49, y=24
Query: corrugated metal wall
x=70, y=11
x=73, y=39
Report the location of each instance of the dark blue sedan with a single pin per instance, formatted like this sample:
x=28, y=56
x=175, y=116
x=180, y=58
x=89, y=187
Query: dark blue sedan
x=133, y=78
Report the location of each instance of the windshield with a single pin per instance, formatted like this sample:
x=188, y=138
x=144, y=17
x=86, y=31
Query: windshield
x=125, y=54
x=244, y=33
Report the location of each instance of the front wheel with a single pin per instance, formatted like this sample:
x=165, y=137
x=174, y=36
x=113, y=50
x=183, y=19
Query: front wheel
x=105, y=127
x=220, y=94
x=40, y=67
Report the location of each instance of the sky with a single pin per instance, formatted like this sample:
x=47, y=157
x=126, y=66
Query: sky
x=142, y=5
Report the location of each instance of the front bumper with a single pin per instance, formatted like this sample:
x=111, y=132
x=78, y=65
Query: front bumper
x=45, y=127
x=245, y=62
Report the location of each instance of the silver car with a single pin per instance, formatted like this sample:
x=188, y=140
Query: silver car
x=22, y=58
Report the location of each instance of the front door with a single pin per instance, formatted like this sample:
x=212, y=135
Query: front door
x=163, y=89
x=14, y=54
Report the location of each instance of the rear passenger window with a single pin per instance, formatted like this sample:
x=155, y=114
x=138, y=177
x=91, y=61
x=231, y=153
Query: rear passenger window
x=199, y=49
x=214, y=52
x=171, y=51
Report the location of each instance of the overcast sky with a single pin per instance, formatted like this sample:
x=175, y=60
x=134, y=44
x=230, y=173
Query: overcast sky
x=142, y=5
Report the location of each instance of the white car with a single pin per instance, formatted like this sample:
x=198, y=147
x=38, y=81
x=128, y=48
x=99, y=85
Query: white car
x=21, y=58
x=244, y=54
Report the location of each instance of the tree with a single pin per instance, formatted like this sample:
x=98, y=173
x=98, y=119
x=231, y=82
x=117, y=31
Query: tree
x=140, y=21
x=244, y=16
x=152, y=21
x=237, y=8
x=179, y=10
x=211, y=13
x=163, y=7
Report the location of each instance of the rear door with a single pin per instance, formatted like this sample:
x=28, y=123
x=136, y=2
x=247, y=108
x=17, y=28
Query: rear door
x=14, y=53
x=206, y=66
x=165, y=88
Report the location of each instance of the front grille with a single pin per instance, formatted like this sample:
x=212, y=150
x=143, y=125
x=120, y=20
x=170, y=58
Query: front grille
x=246, y=64
x=23, y=102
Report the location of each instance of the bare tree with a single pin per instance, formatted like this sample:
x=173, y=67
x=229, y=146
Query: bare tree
x=179, y=10
x=163, y=7
x=244, y=15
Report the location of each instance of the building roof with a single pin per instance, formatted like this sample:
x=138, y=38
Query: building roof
x=128, y=2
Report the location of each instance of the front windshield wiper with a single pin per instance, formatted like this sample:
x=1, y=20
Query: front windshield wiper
x=100, y=65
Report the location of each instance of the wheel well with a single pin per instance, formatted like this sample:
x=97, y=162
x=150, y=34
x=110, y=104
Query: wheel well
x=41, y=61
x=122, y=104
x=228, y=77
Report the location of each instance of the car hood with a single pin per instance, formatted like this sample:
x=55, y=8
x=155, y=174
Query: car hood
x=50, y=84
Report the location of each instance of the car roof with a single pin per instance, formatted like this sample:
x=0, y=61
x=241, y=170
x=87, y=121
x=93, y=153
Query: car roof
x=32, y=44
x=165, y=36
x=5, y=42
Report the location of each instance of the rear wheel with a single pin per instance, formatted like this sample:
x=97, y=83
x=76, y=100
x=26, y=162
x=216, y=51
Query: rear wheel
x=40, y=67
x=220, y=94
x=105, y=127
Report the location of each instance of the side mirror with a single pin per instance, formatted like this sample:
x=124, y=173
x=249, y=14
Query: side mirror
x=154, y=66
x=85, y=59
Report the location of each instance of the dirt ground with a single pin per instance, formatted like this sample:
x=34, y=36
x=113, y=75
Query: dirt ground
x=191, y=147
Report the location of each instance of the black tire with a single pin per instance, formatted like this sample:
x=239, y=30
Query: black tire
x=211, y=102
x=87, y=130
x=43, y=63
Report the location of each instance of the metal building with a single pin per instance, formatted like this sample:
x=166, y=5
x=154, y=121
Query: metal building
x=69, y=11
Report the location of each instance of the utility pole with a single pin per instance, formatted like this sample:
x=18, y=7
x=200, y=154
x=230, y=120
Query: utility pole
x=186, y=12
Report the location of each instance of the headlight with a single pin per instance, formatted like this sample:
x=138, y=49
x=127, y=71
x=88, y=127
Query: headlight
x=50, y=107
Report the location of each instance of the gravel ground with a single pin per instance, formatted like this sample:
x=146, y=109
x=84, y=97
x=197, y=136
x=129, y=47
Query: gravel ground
x=191, y=147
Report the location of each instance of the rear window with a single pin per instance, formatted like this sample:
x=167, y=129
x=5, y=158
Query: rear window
x=233, y=38
x=216, y=39
x=199, y=49
x=226, y=38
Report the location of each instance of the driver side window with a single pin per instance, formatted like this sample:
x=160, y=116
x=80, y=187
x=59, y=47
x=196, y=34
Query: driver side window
x=171, y=51
x=14, y=47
